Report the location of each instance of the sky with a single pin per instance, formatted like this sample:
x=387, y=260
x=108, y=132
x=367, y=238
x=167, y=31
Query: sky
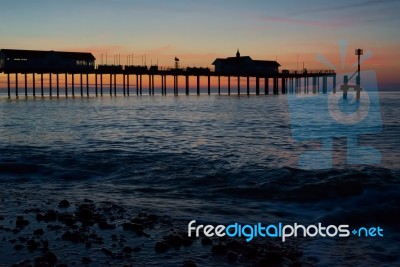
x=295, y=33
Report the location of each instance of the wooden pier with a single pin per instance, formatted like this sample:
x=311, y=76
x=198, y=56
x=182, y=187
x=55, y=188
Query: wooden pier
x=140, y=80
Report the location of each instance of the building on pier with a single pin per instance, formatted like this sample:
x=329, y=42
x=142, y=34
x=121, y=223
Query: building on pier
x=12, y=60
x=245, y=65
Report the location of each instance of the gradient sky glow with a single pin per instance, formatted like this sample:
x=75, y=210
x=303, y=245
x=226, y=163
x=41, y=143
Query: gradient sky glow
x=199, y=31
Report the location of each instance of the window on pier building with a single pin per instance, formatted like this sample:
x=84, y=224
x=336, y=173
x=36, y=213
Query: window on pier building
x=81, y=63
x=84, y=63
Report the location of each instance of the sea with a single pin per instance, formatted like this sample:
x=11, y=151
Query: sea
x=216, y=159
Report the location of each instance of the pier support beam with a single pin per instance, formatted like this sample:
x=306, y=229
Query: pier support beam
x=229, y=85
x=33, y=85
x=8, y=85
x=275, y=81
x=152, y=84
x=238, y=85
x=165, y=84
x=87, y=84
x=50, y=85
x=257, y=86
x=219, y=85
x=149, y=84
x=95, y=78
x=81, y=84
x=26, y=85
x=127, y=84
x=137, y=84
x=187, y=84
x=283, y=86
x=248, y=85
x=73, y=84
x=101, y=84
x=66, y=84
x=123, y=84
x=324, y=84
x=208, y=85
x=334, y=84
x=110, y=84
x=198, y=85
x=115, y=84
x=140, y=85
x=58, y=85
x=314, y=85
x=266, y=86
x=41, y=84
x=16, y=84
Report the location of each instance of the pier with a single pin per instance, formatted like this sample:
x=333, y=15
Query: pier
x=75, y=74
x=141, y=82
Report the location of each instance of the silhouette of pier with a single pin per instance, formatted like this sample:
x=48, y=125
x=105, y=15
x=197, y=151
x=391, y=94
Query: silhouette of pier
x=140, y=80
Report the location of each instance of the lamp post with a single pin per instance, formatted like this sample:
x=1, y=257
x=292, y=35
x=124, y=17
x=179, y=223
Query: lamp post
x=359, y=52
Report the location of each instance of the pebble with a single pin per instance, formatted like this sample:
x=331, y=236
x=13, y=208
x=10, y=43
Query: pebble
x=38, y=232
x=133, y=227
x=21, y=223
x=50, y=258
x=63, y=204
x=127, y=250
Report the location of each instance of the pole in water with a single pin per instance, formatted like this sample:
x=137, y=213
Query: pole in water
x=16, y=84
x=66, y=84
x=50, y=85
x=87, y=84
x=33, y=84
x=41, y=84
x=26, y=86
x=8, y=85
x=58, y=85
x=345, y=86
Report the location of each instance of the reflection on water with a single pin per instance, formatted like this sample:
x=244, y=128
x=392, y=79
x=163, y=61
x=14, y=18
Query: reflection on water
x=216, y=158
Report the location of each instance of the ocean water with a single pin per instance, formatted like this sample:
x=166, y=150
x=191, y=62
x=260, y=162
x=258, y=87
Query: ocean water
x=216, y=159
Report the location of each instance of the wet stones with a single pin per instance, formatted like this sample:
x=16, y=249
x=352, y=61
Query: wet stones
x=50, y=258
x=67, y=219
x=107, y=251
x=38, y=232
x=21, y=222
x=50, y=216
x=135, y=227
x=104, y=225
x=127, y=250
x=63, y=204
x=74, y=237
x=32, y=245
